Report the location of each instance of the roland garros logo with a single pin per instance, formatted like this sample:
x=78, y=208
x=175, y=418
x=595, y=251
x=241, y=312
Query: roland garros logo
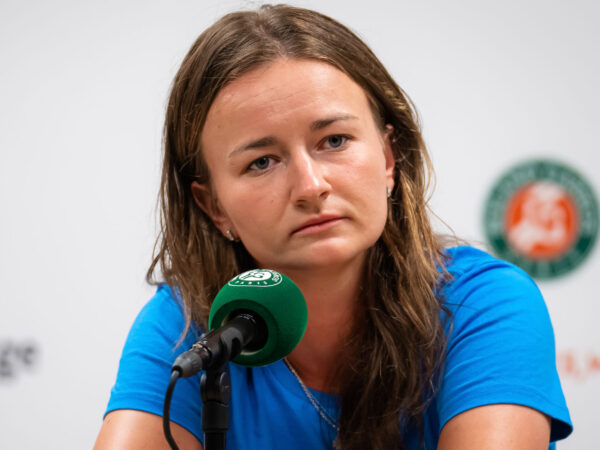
x=542, y=216
x=257, y=277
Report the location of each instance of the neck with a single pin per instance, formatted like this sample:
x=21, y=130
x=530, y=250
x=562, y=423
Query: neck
x=332, y=299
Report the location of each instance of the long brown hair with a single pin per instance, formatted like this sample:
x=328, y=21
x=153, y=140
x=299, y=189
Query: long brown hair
x=393, y=370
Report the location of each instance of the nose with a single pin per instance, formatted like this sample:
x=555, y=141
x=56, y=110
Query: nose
x=309, y=186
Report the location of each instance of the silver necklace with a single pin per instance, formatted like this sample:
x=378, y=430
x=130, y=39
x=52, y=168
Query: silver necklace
x=313, y=400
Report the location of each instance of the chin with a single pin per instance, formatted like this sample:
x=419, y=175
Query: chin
x=319, y=255
x=328, y=258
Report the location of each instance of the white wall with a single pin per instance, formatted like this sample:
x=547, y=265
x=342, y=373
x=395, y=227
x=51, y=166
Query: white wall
x=82, y=92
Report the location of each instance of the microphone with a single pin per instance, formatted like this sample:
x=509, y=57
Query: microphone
x=257, y=318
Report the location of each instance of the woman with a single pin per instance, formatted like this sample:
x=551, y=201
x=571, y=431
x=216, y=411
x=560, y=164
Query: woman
x=288, y=146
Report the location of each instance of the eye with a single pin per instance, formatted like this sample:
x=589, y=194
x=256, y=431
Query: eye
x=336, y=141
x=262, y=163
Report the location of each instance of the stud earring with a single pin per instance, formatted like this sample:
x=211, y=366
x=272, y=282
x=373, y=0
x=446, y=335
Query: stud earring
x=388, y=191
x=229, y=235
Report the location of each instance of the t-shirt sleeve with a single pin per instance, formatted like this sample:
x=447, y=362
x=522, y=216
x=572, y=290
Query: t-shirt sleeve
x=500, y=344
x=145, y=365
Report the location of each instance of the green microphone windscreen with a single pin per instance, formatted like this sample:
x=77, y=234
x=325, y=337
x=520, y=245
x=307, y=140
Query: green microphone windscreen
x=276, y=300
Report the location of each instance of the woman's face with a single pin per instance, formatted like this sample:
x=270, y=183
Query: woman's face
x=299, y=167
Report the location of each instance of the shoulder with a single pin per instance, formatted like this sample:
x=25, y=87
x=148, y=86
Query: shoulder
x=159, y=323
x=163, y=306
x=468, y=264
x=154, y=341
x=489, y=300
x=480, y=282
x=500, y=342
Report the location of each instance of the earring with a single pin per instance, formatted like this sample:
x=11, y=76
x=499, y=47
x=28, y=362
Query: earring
x=229, y=235
x=388, y=191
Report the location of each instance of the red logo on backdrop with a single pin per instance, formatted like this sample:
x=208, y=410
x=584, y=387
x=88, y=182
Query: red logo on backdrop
x=542, y=221
x=542, y=216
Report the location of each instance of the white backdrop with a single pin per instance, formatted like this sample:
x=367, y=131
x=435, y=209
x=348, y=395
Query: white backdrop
x=83, y=87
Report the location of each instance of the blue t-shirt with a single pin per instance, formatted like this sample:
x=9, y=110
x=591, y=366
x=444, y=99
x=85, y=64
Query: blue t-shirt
x=500, y=350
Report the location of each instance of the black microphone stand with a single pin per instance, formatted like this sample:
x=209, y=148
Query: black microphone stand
x=215, y=389
x=211, y=354
x=215, y=384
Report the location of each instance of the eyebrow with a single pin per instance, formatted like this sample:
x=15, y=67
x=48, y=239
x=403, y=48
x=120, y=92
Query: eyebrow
x=257, y=143
x=323, y=123
x=271, y=140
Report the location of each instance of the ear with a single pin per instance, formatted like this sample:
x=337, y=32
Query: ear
x=390, y=162
x=207, y=202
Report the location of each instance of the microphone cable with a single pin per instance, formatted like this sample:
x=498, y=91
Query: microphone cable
x=175, y=374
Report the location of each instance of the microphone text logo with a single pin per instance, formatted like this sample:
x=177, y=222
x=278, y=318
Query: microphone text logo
x=257, y=277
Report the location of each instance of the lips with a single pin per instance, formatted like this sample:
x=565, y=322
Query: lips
x=317, y=224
